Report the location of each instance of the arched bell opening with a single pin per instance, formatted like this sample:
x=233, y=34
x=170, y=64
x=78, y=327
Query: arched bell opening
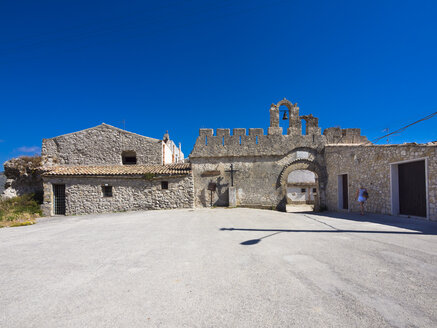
x=284, y=115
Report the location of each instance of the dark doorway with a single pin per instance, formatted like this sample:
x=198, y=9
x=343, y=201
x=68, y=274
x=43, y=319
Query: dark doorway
x=59, y=199
x=412, y=188
x=345, y=192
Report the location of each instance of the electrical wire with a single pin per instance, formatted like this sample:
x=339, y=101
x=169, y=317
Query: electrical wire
x=405, y=127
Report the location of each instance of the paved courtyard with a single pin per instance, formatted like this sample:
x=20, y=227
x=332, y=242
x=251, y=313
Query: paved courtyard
x=219, y=268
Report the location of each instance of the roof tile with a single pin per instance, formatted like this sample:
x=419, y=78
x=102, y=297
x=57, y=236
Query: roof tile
x=119, y=170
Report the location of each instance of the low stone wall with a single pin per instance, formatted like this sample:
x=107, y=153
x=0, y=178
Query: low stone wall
x=370, y=166
x=84, y=194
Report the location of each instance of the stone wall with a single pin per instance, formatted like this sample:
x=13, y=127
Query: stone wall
x=260, y=181
x=84, y=194
x=255, y=181
x=101, y=145
x=338, y=135
x=255, y=144
x=2, y=182
x=370, y=166
x=22, y=176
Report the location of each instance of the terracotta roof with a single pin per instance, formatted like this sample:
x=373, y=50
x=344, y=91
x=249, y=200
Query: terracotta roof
x=116, y=170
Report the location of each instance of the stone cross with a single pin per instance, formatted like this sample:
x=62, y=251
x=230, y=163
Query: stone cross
x=232, y=171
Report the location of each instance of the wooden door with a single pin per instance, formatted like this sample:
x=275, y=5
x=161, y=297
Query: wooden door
x=345, y=192
x=412, y=188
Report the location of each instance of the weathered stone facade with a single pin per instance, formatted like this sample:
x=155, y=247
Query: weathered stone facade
x=370, y=166
x=103, y=144
x=84, y=194
x=83, y=163
x=261, y=167
x=263, y=163
x=22, y=175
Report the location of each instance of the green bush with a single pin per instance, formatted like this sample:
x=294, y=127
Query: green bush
x=12, y=209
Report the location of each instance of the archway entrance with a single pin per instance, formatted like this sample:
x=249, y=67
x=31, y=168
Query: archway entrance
x=308, y=175
x=302, y=191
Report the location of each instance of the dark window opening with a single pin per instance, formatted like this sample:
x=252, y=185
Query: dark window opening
x=107, y=191
x=129, y=158
x=314, y=190
x=303, y=190
x=164, y=184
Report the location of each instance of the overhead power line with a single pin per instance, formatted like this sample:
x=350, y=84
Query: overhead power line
x=405, y=127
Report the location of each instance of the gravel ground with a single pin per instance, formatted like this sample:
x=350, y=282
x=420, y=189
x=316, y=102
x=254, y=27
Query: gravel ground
x=219, y=268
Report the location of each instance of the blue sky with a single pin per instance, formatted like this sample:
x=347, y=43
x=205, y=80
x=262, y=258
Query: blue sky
x=185, y=65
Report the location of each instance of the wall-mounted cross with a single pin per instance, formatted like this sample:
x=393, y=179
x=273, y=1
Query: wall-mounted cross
x=232, y=171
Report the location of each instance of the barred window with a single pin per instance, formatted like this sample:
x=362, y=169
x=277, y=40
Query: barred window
x=107, y=191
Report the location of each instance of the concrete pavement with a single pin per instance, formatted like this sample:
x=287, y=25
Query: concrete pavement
x=219, y=268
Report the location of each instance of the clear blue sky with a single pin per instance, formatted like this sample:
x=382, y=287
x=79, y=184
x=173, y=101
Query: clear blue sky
x=185, y=65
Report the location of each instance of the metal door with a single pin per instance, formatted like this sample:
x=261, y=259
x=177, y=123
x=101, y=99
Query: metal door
x=345, y=192
x=412, y=188
x=59, y=199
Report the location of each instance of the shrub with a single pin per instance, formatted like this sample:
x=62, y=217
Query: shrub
x=20, y=207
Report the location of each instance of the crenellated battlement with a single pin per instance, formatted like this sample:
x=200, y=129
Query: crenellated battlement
x=253, y=142
x=338, y=135
x=220, y=143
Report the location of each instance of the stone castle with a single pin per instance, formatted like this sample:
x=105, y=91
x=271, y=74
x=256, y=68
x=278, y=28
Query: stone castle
x=105, y=169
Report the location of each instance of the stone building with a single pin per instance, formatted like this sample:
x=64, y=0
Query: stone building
x=341, y=160
x=106, y=169
x=301, y=187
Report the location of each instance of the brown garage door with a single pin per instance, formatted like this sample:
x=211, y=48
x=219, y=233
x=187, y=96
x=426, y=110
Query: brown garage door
x=412, y=188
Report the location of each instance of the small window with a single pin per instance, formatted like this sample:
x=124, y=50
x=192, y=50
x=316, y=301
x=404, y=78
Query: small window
x=303, y=190
x=107, y=191
x=314, y=190
x=164, y=184
x=129, y=158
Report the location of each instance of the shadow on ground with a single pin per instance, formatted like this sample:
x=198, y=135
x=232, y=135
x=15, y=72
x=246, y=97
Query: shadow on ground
x=416, y=226
x=422, y=226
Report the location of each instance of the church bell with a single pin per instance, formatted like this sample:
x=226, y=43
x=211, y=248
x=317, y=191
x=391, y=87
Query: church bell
x=285, y=117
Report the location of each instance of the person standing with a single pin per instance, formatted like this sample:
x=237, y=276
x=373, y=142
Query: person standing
x=362, y=196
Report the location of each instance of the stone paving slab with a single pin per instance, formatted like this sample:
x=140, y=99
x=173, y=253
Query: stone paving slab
x=219, y=268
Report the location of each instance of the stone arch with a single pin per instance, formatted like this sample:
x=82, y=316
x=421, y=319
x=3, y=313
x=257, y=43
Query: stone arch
x=294, y=122
x=285, y=102
x=312, y=155
x=302, y=164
